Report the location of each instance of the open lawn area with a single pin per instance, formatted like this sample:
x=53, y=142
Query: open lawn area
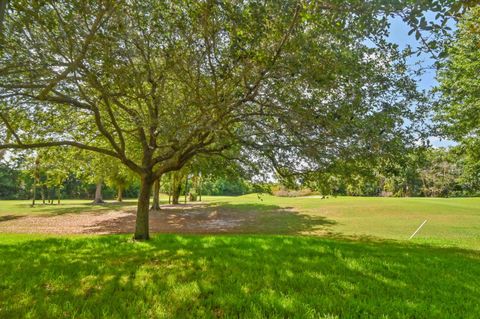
x=249, y=257
x=450, y=221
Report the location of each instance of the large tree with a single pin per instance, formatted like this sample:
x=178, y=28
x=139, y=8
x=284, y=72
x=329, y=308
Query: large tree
x=154, y=83
x=458, y=110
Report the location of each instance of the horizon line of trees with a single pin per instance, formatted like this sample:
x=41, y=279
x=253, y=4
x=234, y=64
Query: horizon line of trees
x=433, y=172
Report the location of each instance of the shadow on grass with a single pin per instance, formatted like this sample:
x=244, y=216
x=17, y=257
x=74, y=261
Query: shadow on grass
x=273, y=219
x=220, y=218
x=236, y=276
x=5, y=218
x=55, y=209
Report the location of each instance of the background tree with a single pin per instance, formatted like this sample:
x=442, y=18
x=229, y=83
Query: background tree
x=156, y=195
x=458, y=110
x=118, y=177
x=101, y=170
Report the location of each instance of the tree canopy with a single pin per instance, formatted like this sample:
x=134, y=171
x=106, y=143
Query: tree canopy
x=458, y=109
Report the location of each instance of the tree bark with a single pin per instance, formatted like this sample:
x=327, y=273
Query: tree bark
x=36, y=179
x=141, y=224
x=170, y=191
x=176, y=198
x=42, y=194
x=186, y=188
x=200, y=188
x=120, y=194
x=3, y=9
x=98, y=194
x=156, y=196
x=34, y=193
x=177, y=189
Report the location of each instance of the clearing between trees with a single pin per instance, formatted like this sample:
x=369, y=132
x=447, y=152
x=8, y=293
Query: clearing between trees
x=450, y=222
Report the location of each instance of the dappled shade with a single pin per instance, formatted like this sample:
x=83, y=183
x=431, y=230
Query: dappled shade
x=197, y=218
x=230, y=276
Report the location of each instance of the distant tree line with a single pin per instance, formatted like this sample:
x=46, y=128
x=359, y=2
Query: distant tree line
x=49, y=176
x=433, y=172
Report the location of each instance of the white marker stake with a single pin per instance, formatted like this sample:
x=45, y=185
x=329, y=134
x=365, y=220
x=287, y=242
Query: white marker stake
x=418, y=229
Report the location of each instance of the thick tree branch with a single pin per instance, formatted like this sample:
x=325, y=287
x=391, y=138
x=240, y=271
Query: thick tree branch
x=3, y=10
x=10, y=127
x=59, y=143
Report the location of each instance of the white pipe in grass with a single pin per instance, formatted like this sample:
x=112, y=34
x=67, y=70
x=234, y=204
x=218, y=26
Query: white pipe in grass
x=419, y=227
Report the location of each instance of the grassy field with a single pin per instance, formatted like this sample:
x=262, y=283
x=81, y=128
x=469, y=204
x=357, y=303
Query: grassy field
x=362, y=265
x=450, y=221
x=24, y=208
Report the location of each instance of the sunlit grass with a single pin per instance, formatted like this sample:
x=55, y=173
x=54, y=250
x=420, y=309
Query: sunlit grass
x=176, y=276
x=24, y=207
x=450, y=221
x=378, y=273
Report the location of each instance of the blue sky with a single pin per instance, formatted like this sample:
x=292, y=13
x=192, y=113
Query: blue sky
x=399, y=34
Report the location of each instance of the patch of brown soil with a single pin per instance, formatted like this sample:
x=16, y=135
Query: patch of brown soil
x=180, y=218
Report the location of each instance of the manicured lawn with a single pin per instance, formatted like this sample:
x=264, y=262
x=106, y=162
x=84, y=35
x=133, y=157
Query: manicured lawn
x=176, y=276
x=23, y=207
x=298, y=258
x=450, y=221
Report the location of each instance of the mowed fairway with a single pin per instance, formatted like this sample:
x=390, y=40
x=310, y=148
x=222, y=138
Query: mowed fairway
x=338, y=257
x=450, y=221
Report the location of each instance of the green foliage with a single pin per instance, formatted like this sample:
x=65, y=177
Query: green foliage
x=421, y=172
x=225, y=186
x=459, y=107
x=12, y=185
x=286, y=81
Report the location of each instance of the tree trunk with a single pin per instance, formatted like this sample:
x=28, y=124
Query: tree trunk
x=170, y=191
x=176, y=194
x=36, y=179
x=34, y=193
x=120, y=194
x=200, y=188
x=141, y=224
x=98, y=194
x=177, y=178
x=175, y=198
x=186, y=188
x=59, y=193
x=156, y=196
x=42, y=194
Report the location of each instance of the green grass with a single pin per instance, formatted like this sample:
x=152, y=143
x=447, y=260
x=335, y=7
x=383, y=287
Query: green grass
x=450, y=221
x=364, y=266
x=23, y=207
x=176, y=276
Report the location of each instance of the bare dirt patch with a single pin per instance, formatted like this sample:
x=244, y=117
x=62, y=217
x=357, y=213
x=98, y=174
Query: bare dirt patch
x=196, y=218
